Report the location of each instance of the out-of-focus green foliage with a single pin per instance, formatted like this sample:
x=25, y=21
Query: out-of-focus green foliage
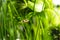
x=29, y=20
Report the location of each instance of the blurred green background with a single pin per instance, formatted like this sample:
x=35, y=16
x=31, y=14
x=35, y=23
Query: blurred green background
x=29, y=19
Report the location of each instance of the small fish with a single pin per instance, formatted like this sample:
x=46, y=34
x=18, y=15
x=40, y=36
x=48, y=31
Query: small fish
x=25, y=20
